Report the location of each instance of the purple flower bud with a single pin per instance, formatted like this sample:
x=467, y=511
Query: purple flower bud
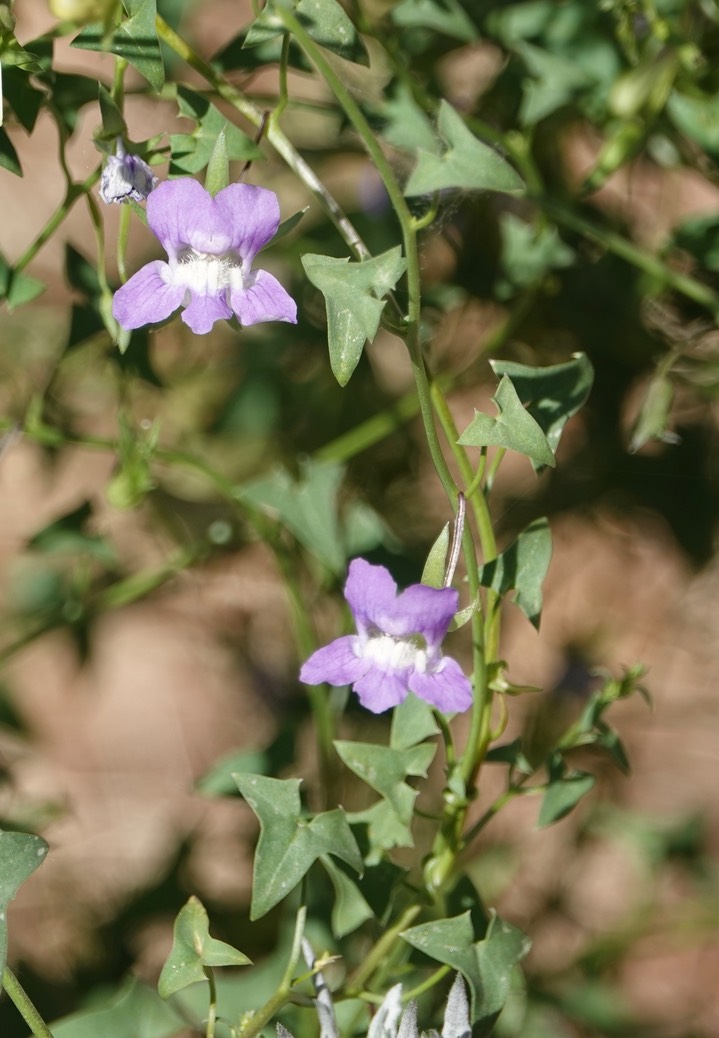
x=125, y=176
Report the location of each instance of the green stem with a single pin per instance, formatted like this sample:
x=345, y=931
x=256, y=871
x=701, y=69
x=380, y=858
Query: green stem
x=212, y=1010
x=646, y=261
x=72, y=194
x=262, y=1016
x=381, y=949
x=24, y=1006
x=284, y=148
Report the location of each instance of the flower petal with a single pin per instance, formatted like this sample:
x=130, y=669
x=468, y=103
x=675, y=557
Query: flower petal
x=180, y=212
x=146, y=298
x=420, y=610
x=448, y=687
x=203, y=311
x=379, y=690
x=369, y=591
x=335, y=664
x=251, y=216
x=263, y=299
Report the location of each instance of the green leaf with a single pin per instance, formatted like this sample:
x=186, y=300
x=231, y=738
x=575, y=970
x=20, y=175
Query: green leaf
x=698, y=118
x=444, y=16
x=326, y=22
x=528, y=253
x=17, y=288
x=385, y=769
x=406, y=123
x=8, y=155
x=354, y=297
x=290, y=843
x=385, y=830
x=498, y=955
x=307, y=507
x=23, y=98
x=68, y=534
x=486, y=965
x=193, y=949
x=137, y=1012
x=434, y=567
x=551, y=394
x=653, y=418
x=522, y=568
x=218, y=167
x=191, y=152
x=135, y=40
x=349, y=909
x=20, y=855
x=466, y=163
x=563, y=793
x=513, y=428
x=555, y=81
x=412, y=723
x=113, y=122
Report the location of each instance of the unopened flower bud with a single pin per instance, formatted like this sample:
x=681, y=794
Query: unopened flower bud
x=126, y=177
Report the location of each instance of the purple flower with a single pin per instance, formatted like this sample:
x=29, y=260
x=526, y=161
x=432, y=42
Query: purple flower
x=125, y=176
x=397, y=646
x=210, y=245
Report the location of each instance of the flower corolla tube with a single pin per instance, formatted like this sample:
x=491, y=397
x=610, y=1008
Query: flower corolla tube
x=210, y=245
x=397, y=648
x=125, y=177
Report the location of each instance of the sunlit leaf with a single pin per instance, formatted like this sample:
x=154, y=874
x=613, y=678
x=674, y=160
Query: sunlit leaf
x=466, y=163
x=20, y=855
x=486, y=965
x=522, y=568
x=325, y=21
x=193, y=949
x=354, y=297
x=290, y=842
x=551, y=394
x=434, y=567
x=135, y=40
x=513, y=428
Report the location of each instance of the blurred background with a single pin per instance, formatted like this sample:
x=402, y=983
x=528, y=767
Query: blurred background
x=112, y=713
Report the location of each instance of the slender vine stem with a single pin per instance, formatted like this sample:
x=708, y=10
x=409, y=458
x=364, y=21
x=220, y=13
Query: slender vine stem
x=276, y=137
x=17, y=994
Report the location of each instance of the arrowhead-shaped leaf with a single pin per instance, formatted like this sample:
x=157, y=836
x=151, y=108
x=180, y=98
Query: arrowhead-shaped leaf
x=289, y=842
x=385, y=770
x=193, y=949
x=466, y=163
x=522, y=567
x=326, y=21
x=354, y=297
x=135, y=40
x=551, y=394
x=486, y=965
x=20, y=855
x=513, y=428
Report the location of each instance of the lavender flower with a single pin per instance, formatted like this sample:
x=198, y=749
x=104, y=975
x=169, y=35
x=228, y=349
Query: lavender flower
x=125, y=176
x=397, y=646
x=210, y=245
